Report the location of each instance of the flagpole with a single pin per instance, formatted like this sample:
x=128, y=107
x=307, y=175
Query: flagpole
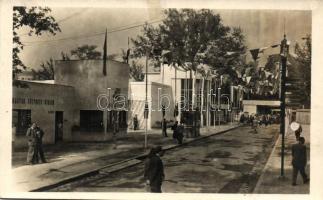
x=213, y=103
x=146, y=102
x=219, y=104
x=283, y=54
x=162, y=90
x=176, y=92
x=105, y=117
x=187, y=93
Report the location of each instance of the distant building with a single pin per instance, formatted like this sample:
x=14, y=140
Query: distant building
x=187, y=94
x=260, y=106
x=295, y=97
x=25, y=76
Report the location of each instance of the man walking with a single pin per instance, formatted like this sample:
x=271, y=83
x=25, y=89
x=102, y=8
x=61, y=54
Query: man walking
x=180, y=133
x=299, y=160
x=40, y=134
x=115, y=128
x=174, y=128
x=164, y=128
x=154, y=170
x=135, y=123
x=32, y=155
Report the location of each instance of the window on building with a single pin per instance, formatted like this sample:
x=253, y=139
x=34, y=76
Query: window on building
x=91, y=120
x=21, y=119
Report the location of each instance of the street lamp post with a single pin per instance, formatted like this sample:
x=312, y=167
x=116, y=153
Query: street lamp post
x=219, y=104
x=284, y=48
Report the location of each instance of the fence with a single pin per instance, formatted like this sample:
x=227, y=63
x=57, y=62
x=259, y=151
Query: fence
x=303, y=116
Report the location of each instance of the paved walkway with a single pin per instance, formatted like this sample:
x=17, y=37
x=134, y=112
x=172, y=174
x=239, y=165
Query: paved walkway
x=71, y=159
x=270, y=182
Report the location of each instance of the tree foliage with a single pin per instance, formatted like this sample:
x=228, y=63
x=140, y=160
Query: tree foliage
x=304, y=57
x=38, y=20
x=135, y=68
x=86, y=52
x=193, y=37
x=136, y=71
x=46, y=72
x=65, y=56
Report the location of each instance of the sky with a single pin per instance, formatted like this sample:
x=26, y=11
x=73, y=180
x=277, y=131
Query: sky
x=261, y=28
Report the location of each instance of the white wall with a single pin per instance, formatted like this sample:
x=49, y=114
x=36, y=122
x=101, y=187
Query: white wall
x=44, y=114
x=137, y=102
x=251, y=109
x=250, y=106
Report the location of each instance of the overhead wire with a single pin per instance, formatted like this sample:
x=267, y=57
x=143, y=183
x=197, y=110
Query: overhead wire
x=117, y=29
x=61, y=20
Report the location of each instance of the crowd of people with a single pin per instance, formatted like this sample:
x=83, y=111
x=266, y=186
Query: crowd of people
x=177, y=128
x=260, y=119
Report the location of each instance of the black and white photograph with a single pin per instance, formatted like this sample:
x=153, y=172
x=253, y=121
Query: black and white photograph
x=160, y=99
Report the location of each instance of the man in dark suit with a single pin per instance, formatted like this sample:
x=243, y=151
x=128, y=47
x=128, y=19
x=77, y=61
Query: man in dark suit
x=180, y=133
x=164, y=127
x=32, y=155
x=174, y=128
x=154, y=170
x=40, y=134
x=299, y=160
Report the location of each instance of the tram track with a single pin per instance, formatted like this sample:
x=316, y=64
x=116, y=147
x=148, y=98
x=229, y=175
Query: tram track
x=105, y=171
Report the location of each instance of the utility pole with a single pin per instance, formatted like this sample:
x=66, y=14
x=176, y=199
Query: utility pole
x=175, y=103
x=284, y=48
x=219, y=104
x=146, y=102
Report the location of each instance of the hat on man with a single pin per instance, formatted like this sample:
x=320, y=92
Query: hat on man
x=158, y=149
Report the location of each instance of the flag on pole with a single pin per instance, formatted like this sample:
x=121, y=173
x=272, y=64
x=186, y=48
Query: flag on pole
x=267, y=74
x=254, y=53
x=230, y=53
x=248, y=78
x=128, y=54
x=165, y=57
x=105, y=54
x=275, y=45
x=238, y=74
x=164, y=52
